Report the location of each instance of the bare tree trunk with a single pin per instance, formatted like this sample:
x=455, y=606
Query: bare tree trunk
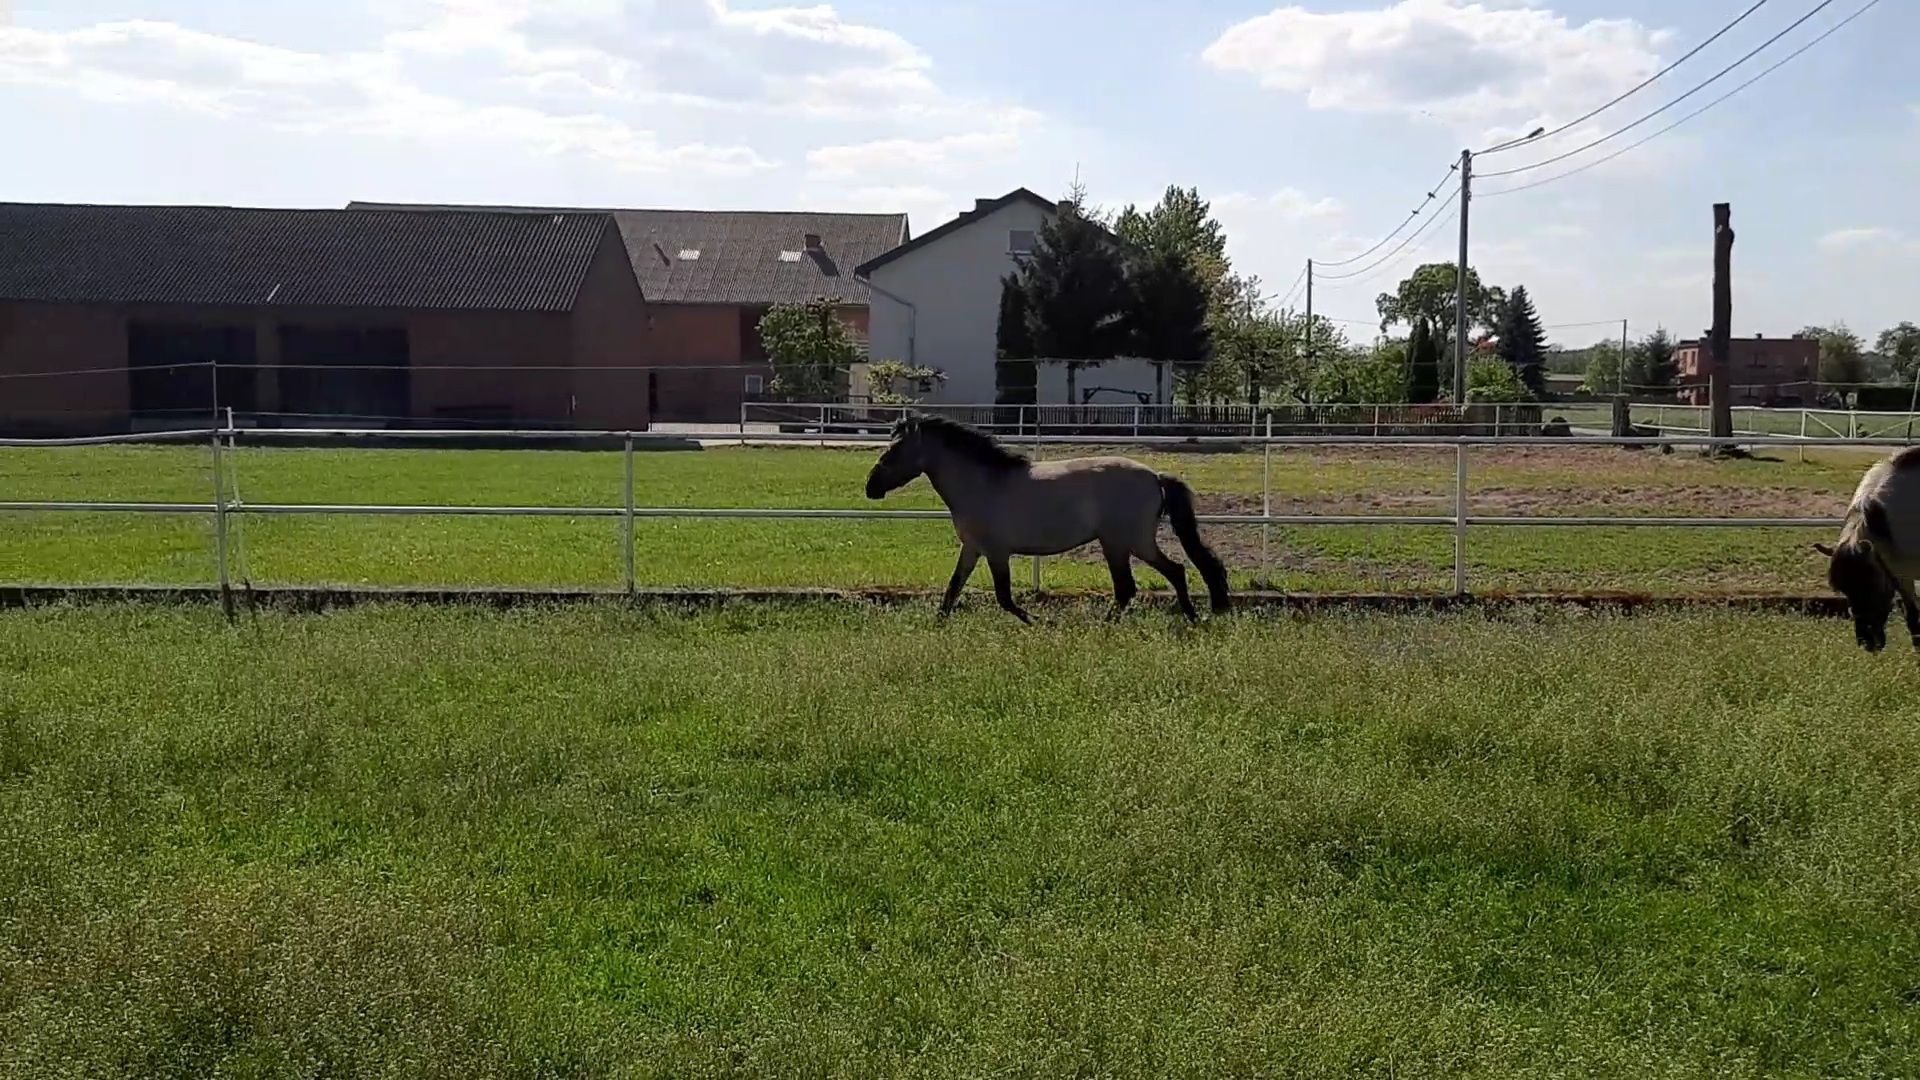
x=1720, y=338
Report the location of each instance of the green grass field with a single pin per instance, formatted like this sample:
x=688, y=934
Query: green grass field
x=395, y=551
x=822, y=841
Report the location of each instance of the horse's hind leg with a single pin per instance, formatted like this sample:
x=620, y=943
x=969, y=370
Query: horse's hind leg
x=1120, y=565
x=1912, y=606
x=1003, y=586
x=1176, y=576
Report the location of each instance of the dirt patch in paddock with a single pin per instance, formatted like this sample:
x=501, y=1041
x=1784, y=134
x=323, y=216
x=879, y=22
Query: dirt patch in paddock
x=1644, y=500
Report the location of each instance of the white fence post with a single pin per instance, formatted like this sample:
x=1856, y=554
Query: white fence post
x=1803, y=435
x=1136, y=421
x=1036, y=457
x=1266, y=504
x=1460, y=520
x=220, y=526
x=627, y=530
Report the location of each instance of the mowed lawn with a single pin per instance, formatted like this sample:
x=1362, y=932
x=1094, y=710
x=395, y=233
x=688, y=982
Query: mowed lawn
x=825, y=841
x=585, y=552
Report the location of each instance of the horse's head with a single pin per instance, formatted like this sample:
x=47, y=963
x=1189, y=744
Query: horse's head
x=1855, y=572
x=902, y=461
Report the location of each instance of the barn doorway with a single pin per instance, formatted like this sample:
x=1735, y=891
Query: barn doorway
x=331, y=372
x=182, y=373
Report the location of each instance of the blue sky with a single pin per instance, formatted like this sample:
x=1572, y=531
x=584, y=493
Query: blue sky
x=1314, y=126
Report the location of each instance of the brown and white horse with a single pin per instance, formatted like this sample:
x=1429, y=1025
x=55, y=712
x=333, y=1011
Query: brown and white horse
x=1878, y=555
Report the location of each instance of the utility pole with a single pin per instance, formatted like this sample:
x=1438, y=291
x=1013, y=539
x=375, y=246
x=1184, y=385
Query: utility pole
x=1720, y=338
x=1622, y=366
x=1309, y=352
x=1460, y=300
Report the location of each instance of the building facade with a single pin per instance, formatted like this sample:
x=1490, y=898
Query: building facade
x=1764, y=371
x=121, y=318
x=936, y=303
x=709, y=276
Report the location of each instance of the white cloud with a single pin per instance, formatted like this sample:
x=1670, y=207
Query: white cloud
x=913, y=156
x=1864, y=238
x=360, y=93
x=1495, y=66
x=1299, y=206
x=630, y=85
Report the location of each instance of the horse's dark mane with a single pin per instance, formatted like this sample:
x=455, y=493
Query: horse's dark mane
x=976, y=446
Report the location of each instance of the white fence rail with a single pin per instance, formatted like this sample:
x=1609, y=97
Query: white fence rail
x=223, y=506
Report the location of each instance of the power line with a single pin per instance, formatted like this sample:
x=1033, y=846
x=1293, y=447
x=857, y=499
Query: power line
x=1630, y=147
x=1388, y=257
x=1582, y=325
x=1432, y=194
x=1288, y=295
x=1394, y=263
x=1650, y=80
x=1717, y=76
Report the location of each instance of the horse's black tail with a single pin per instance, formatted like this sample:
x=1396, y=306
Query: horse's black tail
x=1177, y=497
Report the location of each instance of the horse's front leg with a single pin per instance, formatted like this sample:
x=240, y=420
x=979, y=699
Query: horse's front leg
x=962, y=570
x=1003, y=585
x=1912, y=606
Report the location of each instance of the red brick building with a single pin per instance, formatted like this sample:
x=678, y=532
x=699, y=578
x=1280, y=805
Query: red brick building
x=709, y=275
x=1765, y=371
x=109, y=316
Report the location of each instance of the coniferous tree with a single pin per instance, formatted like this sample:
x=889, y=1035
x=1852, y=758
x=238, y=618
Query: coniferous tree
x=1523, y=344
x=1423, y=378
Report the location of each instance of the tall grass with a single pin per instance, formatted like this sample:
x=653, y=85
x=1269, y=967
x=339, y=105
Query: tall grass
x=826, y=841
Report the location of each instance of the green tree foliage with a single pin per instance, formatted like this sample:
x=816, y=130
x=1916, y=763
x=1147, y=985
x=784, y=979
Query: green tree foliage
x=1491, y=379
x=1077, y=297
x=810, y=350
x=1169, y=311
x=1423, y=359
x=1842, y=354
x=1901, y=346
x=891, y=382
x=1522, y=342
x=1652, y=365
x=1429, y=293
x=1180, y=222
x=1603, y=375
x=1012, y=340
x=1364, y=376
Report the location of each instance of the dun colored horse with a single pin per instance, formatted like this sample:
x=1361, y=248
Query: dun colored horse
x=1878, y=555
x=1004, y=505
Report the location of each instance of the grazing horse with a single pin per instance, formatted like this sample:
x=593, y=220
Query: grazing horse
x=1004, y=505
x=1878, y=555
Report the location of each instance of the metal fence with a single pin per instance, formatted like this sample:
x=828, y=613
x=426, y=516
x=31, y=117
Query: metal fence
x=223, y=505
x=1142, y=420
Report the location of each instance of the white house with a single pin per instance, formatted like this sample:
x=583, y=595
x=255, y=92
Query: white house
x=935, y=301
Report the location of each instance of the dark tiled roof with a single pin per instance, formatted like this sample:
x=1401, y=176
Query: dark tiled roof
x=295, y=258
x=740, y=251
x=980, y=209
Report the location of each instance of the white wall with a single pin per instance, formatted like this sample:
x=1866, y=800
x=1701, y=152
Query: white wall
x=953, y=284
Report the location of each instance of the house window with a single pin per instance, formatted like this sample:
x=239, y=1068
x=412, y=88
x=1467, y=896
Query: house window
x=1020, y=242
x=754, y=385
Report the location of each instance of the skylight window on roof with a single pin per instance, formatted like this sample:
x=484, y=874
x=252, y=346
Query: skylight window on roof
x=689, y=254
x=789, y=256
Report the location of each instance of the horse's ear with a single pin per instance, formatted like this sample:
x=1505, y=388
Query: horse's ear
x=1824, y=549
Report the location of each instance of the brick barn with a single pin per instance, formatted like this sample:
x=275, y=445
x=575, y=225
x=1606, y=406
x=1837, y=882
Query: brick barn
x=709, y=275
x=108, y=313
